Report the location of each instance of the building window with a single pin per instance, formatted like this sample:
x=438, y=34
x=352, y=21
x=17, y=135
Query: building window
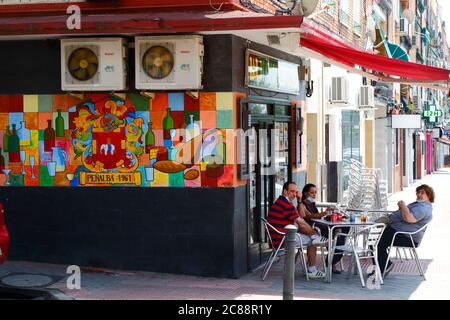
x=357, y=17
x=351, y=137
x=329, y=6
x=344, y=16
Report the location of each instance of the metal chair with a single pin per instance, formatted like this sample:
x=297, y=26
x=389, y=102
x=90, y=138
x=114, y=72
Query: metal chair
x=412, y=249
x=367, y=251
x=301, y=253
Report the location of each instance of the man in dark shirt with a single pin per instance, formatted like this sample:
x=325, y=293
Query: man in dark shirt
x=283, y=213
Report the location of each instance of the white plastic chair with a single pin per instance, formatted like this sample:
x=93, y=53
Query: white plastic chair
x=280, y=248
x=367, y=251
x=412, y=249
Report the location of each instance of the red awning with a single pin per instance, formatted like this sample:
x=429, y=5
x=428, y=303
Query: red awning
x=383, y=68
x=149, y=21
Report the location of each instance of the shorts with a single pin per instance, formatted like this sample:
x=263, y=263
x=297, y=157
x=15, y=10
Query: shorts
x=305, y=240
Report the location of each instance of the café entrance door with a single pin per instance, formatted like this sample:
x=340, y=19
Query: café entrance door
x=269, y=166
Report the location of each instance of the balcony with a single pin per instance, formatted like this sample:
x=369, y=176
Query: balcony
x=406, y=41
x=419, y=57
x=425, y=36
x=420, y=6
x=386, y=6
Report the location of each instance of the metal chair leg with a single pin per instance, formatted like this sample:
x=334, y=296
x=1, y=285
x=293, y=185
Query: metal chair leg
x=387, y=261
x=350, y=267
x=303, y=257
x=398, y=255
x=406, y=256
x=358, y=265
x=269, y=264
x=377, y=266
x=322, y=252
x=419, y=266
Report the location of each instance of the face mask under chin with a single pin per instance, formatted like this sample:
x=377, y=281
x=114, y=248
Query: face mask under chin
x=311, y=199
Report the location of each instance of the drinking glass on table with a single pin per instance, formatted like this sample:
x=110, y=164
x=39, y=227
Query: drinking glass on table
x=364, y=217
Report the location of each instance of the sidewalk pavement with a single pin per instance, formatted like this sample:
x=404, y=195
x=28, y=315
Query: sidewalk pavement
x=403, y=282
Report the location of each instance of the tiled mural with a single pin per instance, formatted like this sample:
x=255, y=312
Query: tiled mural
x=171, y=140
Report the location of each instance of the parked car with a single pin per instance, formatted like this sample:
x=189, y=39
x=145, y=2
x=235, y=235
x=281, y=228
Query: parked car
x=4, y=236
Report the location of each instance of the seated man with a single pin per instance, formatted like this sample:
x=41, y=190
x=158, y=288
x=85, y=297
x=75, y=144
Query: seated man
x=283, y=213
x=407, y=218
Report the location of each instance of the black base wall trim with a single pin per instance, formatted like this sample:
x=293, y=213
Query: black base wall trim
x=197, y=231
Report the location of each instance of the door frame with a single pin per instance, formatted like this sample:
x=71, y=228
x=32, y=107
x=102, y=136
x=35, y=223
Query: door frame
x=260, y=248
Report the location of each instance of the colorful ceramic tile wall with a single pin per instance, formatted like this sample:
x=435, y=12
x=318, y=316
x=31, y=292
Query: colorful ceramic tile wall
x=170, y=140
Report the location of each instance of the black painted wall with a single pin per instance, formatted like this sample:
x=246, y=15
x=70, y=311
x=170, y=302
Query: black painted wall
x=34, y=67
x=334, y=181
x=197, y=231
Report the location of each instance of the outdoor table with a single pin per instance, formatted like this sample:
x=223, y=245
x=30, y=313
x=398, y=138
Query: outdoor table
x=331, y=226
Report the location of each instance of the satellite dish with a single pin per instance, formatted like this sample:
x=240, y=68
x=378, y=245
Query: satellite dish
x=409, y=15
x=302, y=7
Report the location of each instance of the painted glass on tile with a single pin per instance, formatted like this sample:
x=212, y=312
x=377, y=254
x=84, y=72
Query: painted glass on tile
x=106, y=140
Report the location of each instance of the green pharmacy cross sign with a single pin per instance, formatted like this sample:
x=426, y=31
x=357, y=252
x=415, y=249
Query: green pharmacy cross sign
x=432, y=114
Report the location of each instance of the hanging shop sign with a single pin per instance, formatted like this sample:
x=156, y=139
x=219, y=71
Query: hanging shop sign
x=268, y=73
x=406, y=121
x=432, y=114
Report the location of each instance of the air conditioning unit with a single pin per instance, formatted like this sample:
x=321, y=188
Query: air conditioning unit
x=404, y=27
x=93, y=64
x=169, y=62
x=366, y=96
x=339, y=90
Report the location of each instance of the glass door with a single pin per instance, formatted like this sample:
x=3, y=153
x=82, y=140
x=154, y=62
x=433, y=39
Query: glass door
x=261, y=189
x=269, y=170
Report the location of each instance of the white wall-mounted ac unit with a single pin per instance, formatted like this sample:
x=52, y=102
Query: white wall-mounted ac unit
x=93, y=64
x=169, y=62
x=366, y=96
x=404, y=27
x=339, y=90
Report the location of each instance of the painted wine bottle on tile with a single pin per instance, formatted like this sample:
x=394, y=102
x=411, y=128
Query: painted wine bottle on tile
x=59, y=124
x=14, y=146
x=2, y=161
x=24, y=134
x=221, y=149
x=167, y=126
x=149, y=139
x=49, y=137
x=6, y=139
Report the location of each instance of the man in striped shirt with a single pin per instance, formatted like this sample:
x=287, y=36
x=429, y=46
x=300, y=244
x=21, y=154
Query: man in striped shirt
x=283, y=213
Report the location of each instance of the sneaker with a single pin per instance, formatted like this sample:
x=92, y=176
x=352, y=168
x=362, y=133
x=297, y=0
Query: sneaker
x=316, y=275
x=389, y=268
x=320, y=241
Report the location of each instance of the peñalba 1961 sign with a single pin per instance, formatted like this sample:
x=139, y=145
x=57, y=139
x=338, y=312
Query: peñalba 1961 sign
x=110, y=178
